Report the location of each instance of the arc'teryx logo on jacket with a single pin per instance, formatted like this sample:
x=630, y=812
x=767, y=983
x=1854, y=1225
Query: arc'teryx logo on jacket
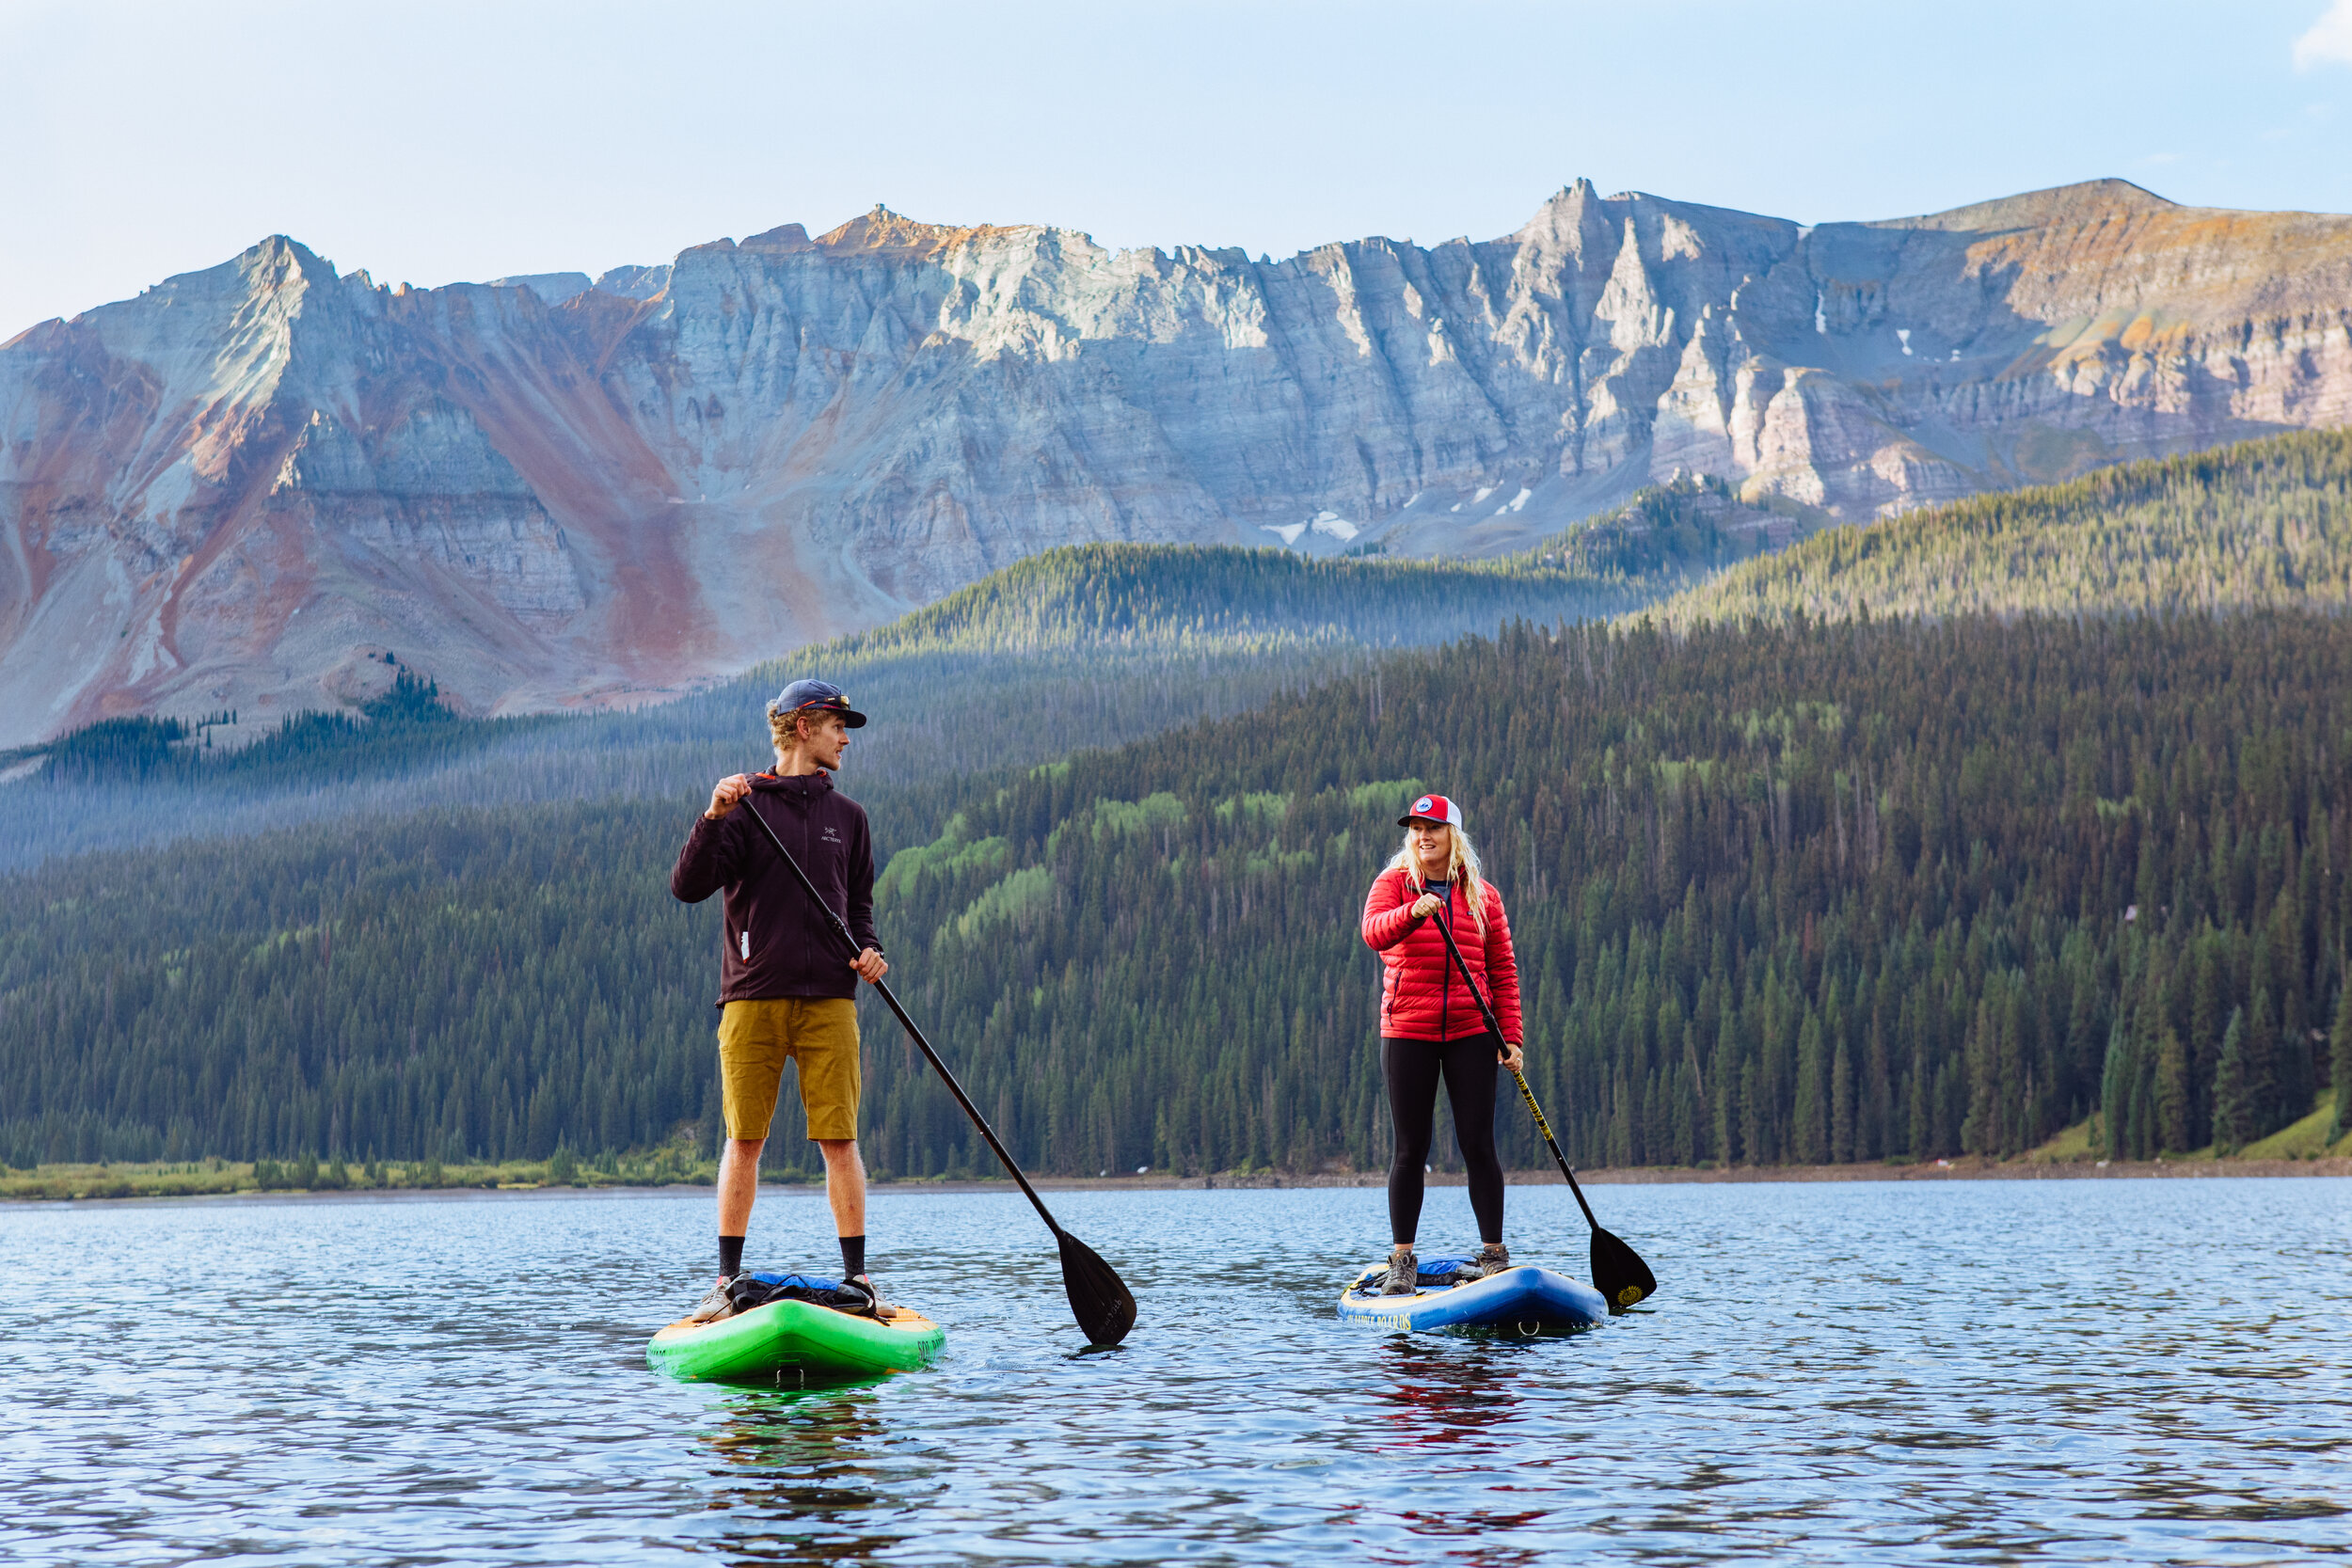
x=777, y=943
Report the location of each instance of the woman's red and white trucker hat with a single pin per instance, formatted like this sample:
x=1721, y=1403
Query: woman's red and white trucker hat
x=1434, y=808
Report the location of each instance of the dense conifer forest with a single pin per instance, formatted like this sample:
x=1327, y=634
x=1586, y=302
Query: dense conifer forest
x=1169, y=598
x=1087, y=645
x=1800, y=891
x=1813, y=892
x=406, y=725
x=2261, y=524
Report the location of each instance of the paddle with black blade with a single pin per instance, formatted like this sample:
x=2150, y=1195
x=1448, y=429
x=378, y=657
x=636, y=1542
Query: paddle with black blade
x=1098, y=1297
x=1618, y=1272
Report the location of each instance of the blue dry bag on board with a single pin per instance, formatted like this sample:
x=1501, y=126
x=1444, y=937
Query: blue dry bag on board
x=758, y=1290
x=1445, y=1272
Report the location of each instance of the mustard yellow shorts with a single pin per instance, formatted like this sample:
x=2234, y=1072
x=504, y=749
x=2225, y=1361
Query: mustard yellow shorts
x=757, y=1037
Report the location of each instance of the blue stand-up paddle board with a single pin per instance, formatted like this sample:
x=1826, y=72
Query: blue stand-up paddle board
x=1525, y=1300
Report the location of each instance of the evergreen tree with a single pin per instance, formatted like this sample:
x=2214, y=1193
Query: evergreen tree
x=1876, y=1096
x=1841, y=1125
x=2205, y=1036
x=2172, y=1093
x=2259, y=1052
x=2234, y=1123
x=2293, y=1071
x=1811, y=1115
x=2340, y=1063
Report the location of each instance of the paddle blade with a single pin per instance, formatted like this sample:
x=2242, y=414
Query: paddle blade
x=1618, y=1272
x=1098, y=1297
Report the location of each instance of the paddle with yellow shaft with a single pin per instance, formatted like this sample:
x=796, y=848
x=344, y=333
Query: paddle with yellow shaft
x=1618, y=1272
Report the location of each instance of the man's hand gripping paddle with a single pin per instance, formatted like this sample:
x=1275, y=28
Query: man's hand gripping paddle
x=1098, y=1297
x=1618, y=1272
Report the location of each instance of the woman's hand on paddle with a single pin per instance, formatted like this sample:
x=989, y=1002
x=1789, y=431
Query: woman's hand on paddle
x=870, y=965
x=725, y=794
x=1512, y=1056
x=1426, y=906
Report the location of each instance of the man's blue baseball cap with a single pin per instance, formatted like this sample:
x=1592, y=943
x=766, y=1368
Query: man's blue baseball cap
x=817, y=694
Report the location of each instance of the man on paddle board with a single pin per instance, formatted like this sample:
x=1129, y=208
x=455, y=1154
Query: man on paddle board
x=786, y=993
x=1431, y=1027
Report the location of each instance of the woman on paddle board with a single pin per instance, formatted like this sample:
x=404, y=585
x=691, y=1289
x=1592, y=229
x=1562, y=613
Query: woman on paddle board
x=1430, y=1025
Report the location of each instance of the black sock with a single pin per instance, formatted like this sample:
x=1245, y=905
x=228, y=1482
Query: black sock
x=852, y=1256
x=730, y=1256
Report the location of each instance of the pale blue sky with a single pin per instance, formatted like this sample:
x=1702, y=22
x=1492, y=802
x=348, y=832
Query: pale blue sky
x=429, y=141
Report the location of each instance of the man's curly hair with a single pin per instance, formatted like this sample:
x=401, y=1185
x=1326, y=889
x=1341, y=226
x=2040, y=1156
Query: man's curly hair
x=785, y=728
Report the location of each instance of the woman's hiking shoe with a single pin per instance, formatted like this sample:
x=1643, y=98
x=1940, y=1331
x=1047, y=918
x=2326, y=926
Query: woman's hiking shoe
x=865, y=1283
x=1404, y=1275
x=715, y=1306
x=1492, y=1259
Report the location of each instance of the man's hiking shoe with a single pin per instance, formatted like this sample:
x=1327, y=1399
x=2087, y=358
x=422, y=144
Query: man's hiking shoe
x=1492, y=1259
x=866, y=1282
x=717, y=1304
x=1404, y=1275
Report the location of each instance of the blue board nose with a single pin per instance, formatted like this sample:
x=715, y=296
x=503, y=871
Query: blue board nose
x=1525, y=1299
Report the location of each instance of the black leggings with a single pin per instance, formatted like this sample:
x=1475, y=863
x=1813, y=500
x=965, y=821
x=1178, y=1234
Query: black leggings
x=1412, y=1069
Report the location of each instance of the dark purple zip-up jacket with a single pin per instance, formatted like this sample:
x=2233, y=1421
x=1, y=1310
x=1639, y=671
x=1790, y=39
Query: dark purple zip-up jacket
x=777, y=945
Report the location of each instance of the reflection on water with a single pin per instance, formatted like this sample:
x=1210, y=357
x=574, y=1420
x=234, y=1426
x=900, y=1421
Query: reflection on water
x=1979, y=1371
x=1440, y=1399
x=1451, y=1411
x=795, y=1471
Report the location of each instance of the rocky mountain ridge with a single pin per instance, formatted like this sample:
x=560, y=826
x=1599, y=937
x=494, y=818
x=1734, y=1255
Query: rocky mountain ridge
x=243, y=488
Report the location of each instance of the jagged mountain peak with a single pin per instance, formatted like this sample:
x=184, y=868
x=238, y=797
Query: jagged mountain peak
x=553, y=288
x=1573, y=195
x=1578, y=216
x=644, y=283
x=1565, y=225
x=785, y=236
x=281, y=259
x=2075, y=203
x=1566, y=204
x=275, y=248
x=270, y=265
x=882, y=231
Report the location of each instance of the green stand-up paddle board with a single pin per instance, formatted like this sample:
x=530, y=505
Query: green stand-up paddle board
x=794, y=1336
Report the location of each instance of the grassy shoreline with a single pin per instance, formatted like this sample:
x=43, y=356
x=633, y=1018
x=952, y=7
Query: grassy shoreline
x=224, y=1178
x=211, y=1178
x=2302, y=1148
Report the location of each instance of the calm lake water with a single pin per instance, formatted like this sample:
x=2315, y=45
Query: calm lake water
x=2080, y=1371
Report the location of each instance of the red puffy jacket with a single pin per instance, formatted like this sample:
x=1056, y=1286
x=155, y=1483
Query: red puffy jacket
x=1422, y=993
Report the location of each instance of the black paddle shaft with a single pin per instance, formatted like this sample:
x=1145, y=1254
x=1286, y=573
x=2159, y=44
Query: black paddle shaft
x=1629, y=1278
x=1100, y=1299
x=841, y=928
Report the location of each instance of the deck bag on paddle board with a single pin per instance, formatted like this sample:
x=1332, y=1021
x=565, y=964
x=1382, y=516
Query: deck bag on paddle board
x=1440, y=1272
x=758, y=1290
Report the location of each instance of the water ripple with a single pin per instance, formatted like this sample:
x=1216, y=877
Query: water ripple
x=2124, y=1371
